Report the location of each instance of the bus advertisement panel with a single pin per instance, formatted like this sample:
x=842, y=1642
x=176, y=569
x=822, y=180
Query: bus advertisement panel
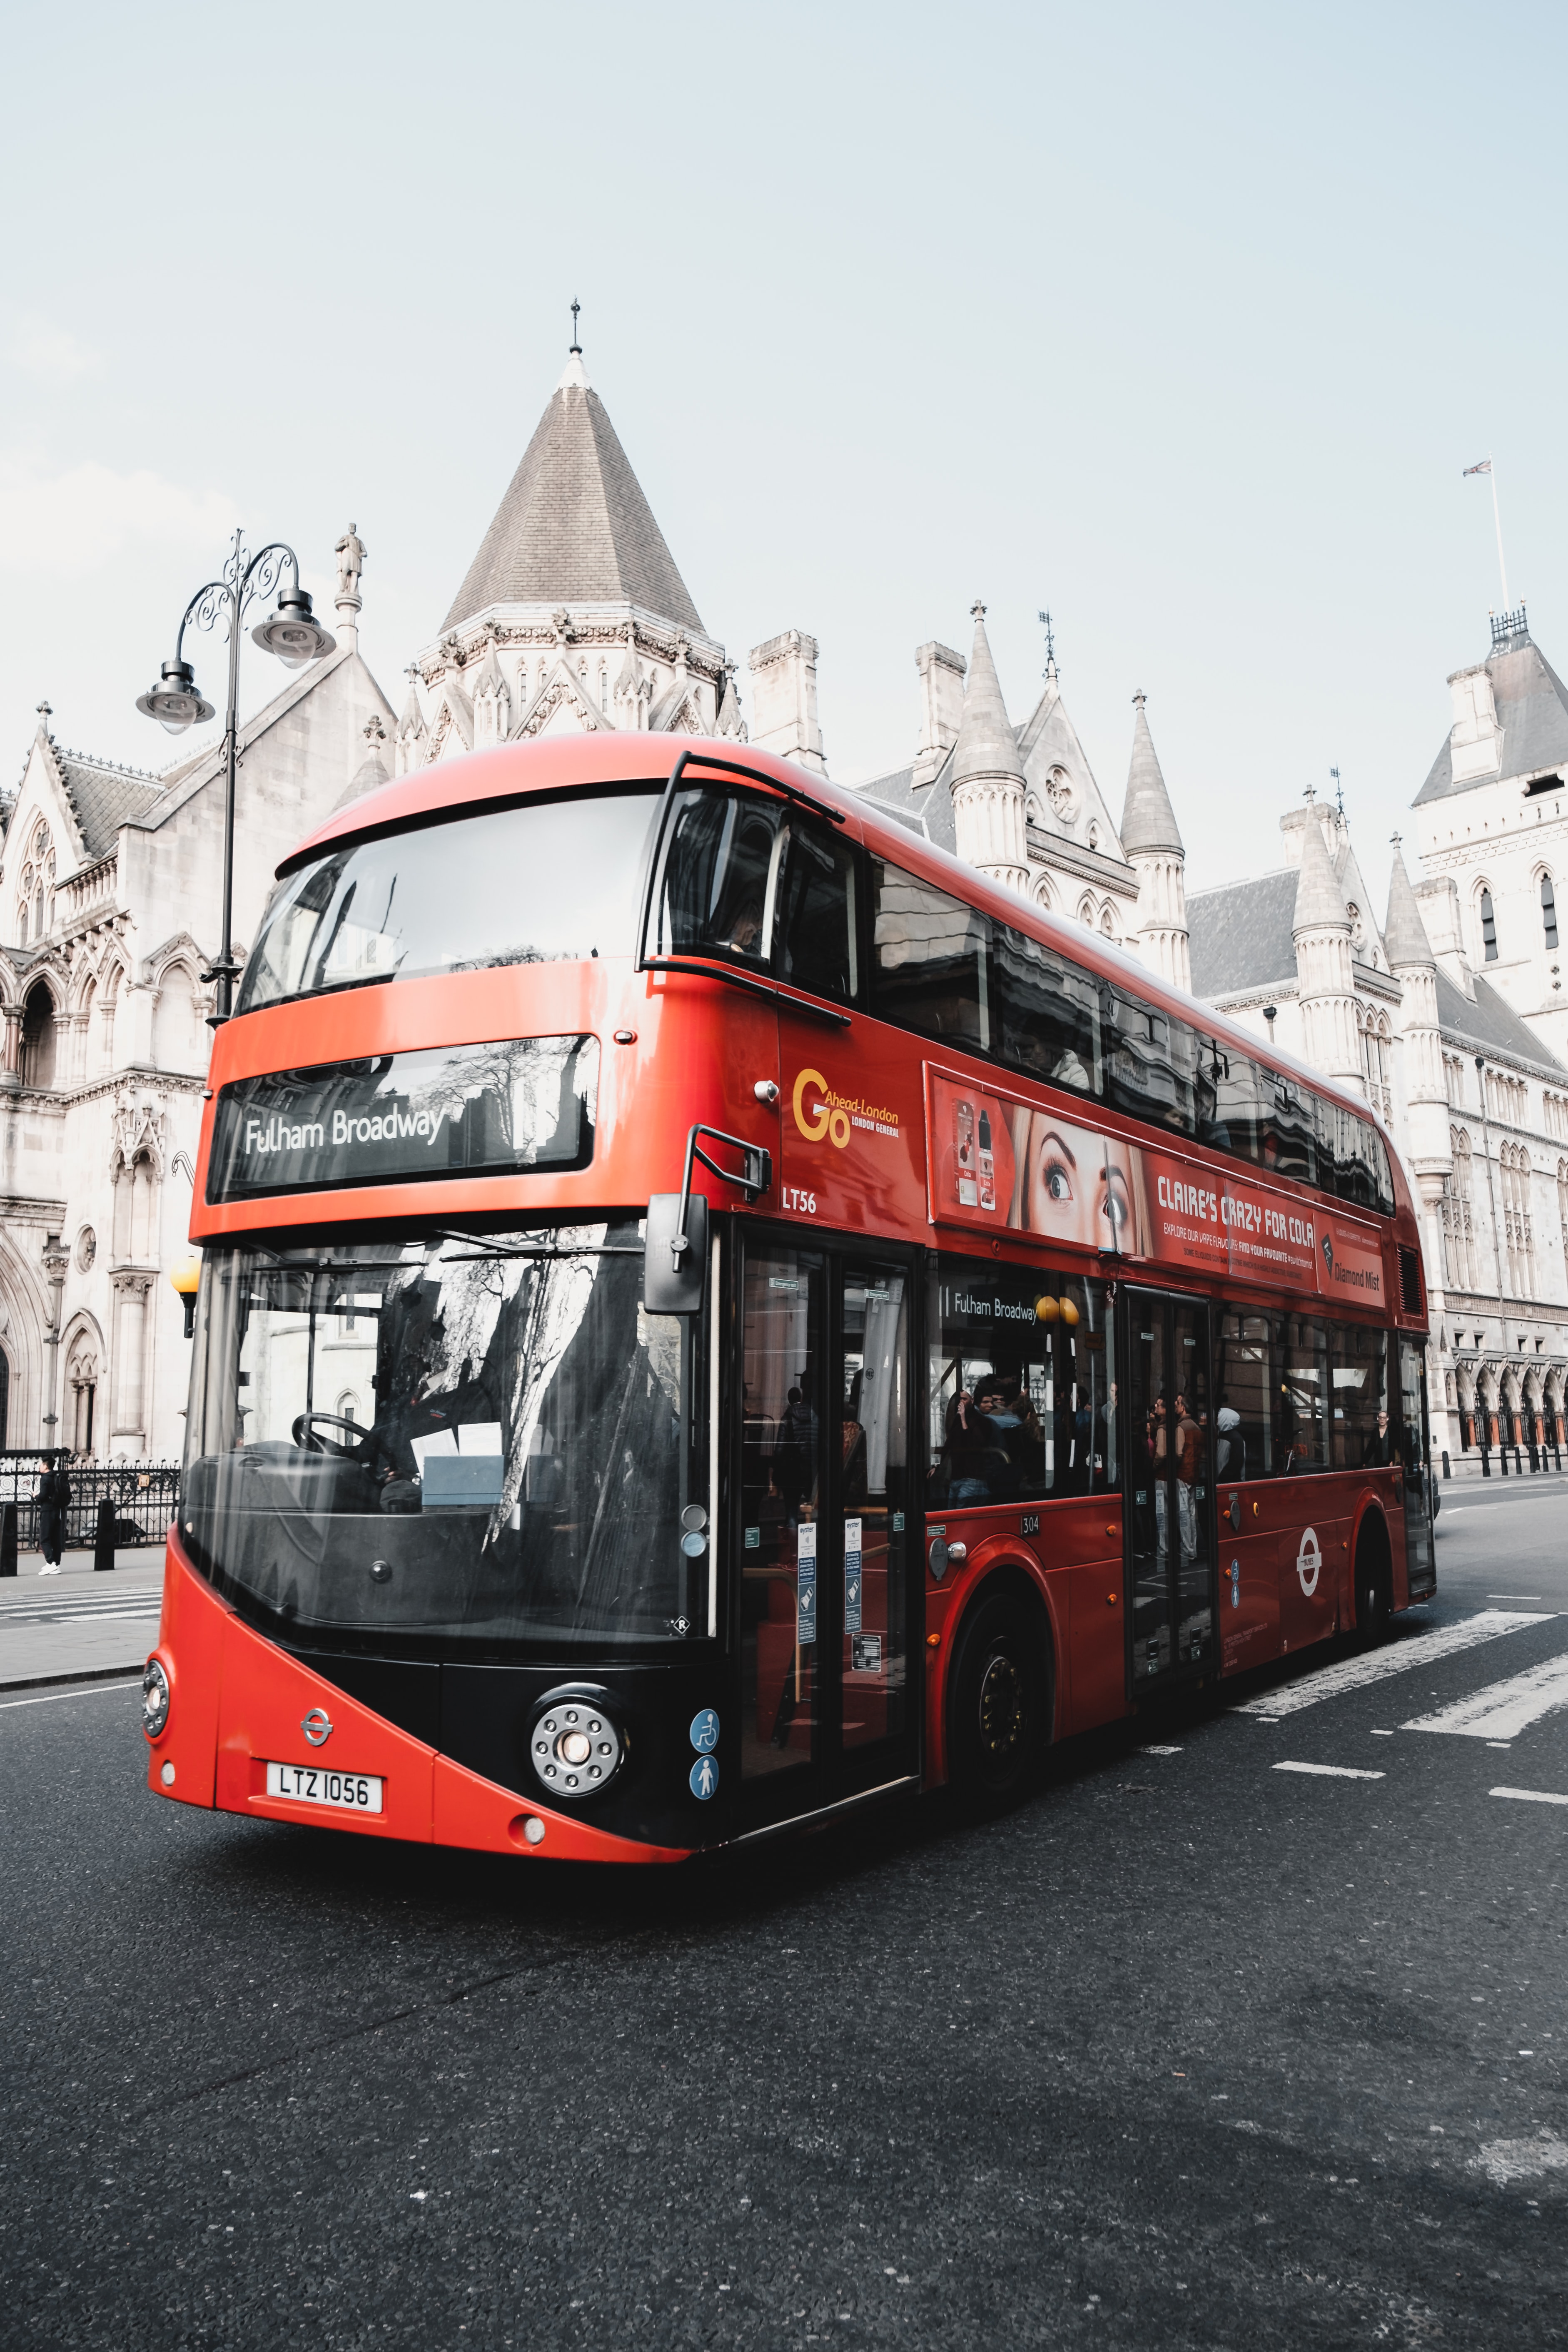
x=1000, y=1163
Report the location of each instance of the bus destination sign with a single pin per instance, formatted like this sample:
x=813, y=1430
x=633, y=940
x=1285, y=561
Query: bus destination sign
x=518, y=1105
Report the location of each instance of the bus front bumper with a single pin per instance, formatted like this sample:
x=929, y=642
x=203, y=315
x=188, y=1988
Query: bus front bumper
x=239, y=1703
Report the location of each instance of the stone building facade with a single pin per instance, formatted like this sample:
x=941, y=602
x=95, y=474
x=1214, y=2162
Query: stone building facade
x=110, y=884
x=1450, y=1014
x=571, y=617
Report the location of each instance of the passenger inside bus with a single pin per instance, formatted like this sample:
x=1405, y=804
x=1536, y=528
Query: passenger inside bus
x=1023, y=1397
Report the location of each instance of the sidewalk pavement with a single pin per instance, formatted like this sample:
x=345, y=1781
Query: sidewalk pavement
x=78, y=1626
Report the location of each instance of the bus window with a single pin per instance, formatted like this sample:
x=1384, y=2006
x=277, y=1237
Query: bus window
x=1047, y=1015
x=719, y=876
x=1244, y=1390
x=1226, y=1099
x=1301, y=1383
x=873, y=1489
x=1346, y=1164
x=1023, y=1385
x=1361, y=1434
x=550, y=879
x=529, y=1452
x=1150, y=1061
x=1287, y=1128
x=781, y=1482
x=815, y=917
x=931, y=959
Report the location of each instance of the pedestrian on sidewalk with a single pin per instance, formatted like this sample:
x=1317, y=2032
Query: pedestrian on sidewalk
x=53, y=1499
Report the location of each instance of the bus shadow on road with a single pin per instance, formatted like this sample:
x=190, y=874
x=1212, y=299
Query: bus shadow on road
x=552, y=1901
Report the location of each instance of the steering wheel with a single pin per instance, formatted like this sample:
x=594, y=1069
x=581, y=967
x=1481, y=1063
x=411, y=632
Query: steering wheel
x=307, y=1435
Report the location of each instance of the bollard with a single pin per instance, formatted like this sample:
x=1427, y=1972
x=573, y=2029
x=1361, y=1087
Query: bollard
x=103, y=1538
x=1486, y=1463
x=1518, y=1464
x=1534, y=1459
x=1446, y=1471
x=8, y=1540
x=1502, y=1459
x=1557, y=1449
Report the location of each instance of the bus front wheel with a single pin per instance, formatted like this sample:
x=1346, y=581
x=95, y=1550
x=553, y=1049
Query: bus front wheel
x=999, y=1702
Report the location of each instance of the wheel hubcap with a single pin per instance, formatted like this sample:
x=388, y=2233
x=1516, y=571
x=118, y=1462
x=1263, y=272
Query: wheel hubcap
x=1002, y=1702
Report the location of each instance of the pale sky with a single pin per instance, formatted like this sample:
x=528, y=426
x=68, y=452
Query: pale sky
x=1182, y=323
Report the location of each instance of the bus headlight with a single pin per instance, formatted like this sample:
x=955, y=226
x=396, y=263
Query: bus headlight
x=576, y=1746
x=155, y=1697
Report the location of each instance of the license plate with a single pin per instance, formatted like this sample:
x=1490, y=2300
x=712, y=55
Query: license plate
x=313, y=1784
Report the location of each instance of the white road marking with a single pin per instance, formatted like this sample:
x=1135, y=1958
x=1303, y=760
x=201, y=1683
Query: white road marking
x=95, y=1690
x=1396, y=1658
x=1513, y=1596
x=1385, y=1734
x=1333, y=1772
x=1159, y=1752
x=1503, y=2160
x=1502, y=1710
x=1530, y=1796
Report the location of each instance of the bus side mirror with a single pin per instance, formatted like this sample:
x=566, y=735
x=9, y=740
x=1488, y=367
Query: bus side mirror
x=673, y=1271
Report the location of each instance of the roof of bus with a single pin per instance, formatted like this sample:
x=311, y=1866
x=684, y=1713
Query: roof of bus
x=558, y=762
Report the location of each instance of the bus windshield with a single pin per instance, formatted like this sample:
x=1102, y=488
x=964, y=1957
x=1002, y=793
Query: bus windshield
x=538, y=882
x=445, y=1438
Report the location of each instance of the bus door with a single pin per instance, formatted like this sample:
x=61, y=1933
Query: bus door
x=1415, y=1458
x=829, y=1645
x=1169, y=1516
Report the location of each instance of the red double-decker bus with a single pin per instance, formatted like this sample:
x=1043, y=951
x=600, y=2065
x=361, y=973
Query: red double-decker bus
x=712, y=1313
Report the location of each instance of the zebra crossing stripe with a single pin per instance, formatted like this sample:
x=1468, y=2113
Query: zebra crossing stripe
x=1398, y=1657
x=1502, y=1710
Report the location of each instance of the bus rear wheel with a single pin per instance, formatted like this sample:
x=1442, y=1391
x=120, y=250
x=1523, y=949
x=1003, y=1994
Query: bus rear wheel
x=999, y=1703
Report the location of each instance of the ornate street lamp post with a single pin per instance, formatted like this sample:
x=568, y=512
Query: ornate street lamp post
x=57, y=1261
x=292, y=633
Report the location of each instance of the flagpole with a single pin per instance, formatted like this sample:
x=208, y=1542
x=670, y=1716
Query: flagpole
x=1488, y=467
x=1496, y=518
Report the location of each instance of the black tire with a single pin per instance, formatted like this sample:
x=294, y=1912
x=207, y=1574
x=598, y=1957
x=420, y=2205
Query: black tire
x=1373, y=1598
x=999, y=1703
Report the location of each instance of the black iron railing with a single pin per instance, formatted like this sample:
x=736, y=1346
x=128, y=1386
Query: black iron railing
x=145, y=1495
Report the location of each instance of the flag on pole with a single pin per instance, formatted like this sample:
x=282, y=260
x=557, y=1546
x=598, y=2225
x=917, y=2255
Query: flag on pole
x=1484, y=468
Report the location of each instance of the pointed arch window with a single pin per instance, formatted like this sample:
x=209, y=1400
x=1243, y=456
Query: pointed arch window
x=1489, y=927
x=1459, y=1230
x=37, y=1063
x=1549, y=910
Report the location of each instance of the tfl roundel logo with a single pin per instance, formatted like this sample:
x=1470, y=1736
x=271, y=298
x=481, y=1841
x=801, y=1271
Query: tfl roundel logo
x=1309, y=1562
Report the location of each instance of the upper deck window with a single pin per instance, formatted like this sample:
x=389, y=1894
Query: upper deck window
x=932, y=958
x=546, y=881
x=759, y=882
x=953, y=973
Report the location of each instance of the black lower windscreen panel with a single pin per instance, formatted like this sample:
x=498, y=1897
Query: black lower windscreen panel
x=500, y=1110
x=482, y=1716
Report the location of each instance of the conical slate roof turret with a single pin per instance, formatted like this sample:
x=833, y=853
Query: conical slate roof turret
x=1148, y=820
x=575, y=526
x=987, y=744
x=1405, y=933
x=1319, y=901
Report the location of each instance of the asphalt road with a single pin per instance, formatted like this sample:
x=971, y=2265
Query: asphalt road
x=1191, y=2050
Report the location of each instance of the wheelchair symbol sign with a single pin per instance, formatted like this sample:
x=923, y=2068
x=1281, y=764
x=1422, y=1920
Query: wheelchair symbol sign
x=705, y=1731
